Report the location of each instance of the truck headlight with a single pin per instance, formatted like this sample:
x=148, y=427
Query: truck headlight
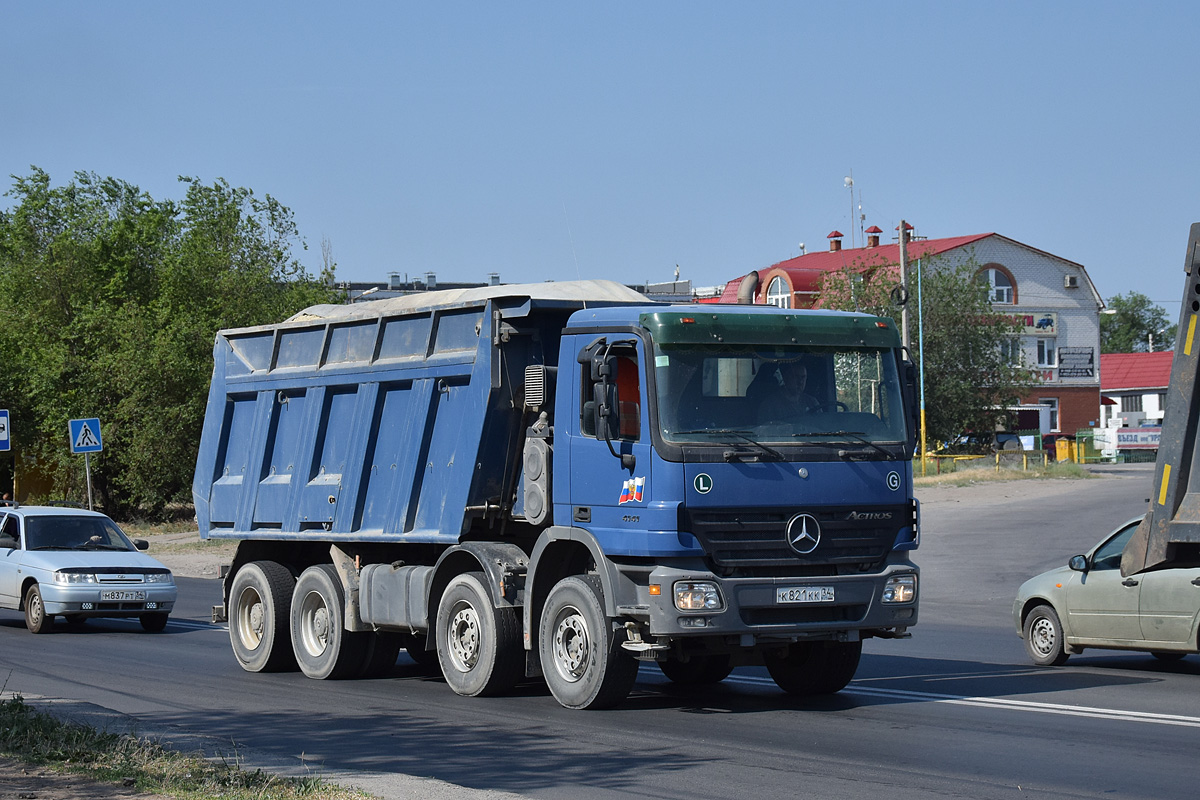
x=75, y=577
x=900, y=589
x=698, y=596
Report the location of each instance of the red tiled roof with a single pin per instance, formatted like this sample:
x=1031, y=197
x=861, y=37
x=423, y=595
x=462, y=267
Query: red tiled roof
x=1121, y=371
x=807, y=271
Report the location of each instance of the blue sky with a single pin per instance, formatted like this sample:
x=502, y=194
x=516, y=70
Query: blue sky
x=562, y=140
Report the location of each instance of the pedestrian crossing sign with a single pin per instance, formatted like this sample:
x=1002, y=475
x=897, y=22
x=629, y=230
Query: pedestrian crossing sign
x=85, y=435
x=5, y=441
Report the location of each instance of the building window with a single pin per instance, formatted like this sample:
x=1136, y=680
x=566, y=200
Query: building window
x=779, y=294
x=1131, y=402
x=1053, y=403
x=1010, y=349
x=1000, y=287
x=1162, y=401
x=1046, y=355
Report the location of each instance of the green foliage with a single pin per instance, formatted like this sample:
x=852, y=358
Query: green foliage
x=112, y=300
x=1136, y=322
x=968, y=378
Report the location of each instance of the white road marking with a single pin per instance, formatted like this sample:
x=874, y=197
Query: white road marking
x=1010, y=705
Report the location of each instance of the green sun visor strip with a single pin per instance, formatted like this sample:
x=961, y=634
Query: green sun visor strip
x=813, y=328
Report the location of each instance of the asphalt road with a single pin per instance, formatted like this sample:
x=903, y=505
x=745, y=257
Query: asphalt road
x=957, y=711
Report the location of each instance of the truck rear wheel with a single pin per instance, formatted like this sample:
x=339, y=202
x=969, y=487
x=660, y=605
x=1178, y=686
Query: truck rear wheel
x=810, y=668
x=582, y=659
x=699, y=670
x=478, y=645
x=323, y=647
x=260, y=601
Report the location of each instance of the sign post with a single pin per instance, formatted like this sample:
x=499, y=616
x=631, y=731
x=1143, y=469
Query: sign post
x=85, y=438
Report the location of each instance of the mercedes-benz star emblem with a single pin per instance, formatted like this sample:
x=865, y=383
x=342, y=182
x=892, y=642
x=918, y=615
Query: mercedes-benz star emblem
x=803, y=533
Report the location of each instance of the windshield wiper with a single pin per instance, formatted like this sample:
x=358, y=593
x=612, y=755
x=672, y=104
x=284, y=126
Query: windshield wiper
x=743, y=435
x=857, y=436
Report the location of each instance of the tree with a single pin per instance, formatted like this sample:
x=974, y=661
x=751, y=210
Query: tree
x=970, y=374
x=1136, y=326
x=112, y=300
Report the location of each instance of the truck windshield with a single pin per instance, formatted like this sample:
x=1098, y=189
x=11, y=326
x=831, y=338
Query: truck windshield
x=800, y=395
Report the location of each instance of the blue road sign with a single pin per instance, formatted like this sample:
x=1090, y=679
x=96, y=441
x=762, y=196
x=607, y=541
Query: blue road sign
x=5, y=440
x=85, y=435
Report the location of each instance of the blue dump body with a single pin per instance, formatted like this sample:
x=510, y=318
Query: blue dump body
x=491, y=477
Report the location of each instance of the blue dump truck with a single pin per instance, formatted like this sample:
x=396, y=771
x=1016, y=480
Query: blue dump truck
x=562, y=480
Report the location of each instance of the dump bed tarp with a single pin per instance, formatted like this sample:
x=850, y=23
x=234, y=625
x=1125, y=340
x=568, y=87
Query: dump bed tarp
x=594, y=291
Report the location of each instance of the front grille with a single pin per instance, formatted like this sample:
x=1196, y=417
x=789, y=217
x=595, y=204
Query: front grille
x=754, y=541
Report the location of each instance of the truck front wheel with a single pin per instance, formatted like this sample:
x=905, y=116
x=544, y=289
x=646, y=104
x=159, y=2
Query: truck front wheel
x=699, y=670
x=260, y=601
x=324, y=648
x=478, y=645
x=582, y=659
x=809, y=668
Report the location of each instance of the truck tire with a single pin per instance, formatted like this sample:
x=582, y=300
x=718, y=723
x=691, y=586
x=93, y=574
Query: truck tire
x=414, y=645
x=812, y=668
x=383, y=648
x=478, y=645
x=36, y=618
x=260, y=601
x=323, y=647
x=699, y=670
x=154, y=621
x=1044, y=640
x=582, y=658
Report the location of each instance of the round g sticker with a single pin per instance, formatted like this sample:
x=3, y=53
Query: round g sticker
x=704, y=483
x=893, y=480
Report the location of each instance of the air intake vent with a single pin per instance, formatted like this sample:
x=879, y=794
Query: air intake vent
x=535, y=385
x=1070, y=281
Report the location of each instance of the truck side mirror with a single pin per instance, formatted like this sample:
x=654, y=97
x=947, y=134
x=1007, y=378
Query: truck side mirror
x=604, y=397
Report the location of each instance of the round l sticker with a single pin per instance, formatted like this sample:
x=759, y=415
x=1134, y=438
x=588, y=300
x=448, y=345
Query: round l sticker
x=703, y=483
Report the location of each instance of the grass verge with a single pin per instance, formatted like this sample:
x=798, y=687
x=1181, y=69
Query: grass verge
x=989, y=474
x=39, y=738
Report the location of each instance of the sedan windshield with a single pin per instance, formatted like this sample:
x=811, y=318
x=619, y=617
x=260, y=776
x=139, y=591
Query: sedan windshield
x=811, y=395
x=74, y=533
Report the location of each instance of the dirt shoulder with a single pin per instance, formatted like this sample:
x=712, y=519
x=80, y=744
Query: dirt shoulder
x=21, y=780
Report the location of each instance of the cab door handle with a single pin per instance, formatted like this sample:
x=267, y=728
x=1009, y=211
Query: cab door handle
x=1132, y=582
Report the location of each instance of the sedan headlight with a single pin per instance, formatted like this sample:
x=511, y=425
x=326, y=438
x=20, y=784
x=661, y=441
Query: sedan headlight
x=158, y=577
x=900, y=589
x=698, y=596
x=75, y=577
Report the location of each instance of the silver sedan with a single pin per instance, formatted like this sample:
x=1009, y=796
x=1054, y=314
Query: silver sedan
x=1088, y=603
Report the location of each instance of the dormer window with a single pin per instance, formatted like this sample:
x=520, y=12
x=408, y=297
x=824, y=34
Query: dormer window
x=999, y=283
x=779, y=294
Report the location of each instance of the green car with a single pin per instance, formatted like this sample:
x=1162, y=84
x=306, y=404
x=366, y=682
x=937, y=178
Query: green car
x=1089, y=604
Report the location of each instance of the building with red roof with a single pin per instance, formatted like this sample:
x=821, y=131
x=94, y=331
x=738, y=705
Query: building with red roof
x=1134, y=387
x=1052, y=297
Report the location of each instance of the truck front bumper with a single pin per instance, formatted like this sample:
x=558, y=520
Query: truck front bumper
x=780, y=609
